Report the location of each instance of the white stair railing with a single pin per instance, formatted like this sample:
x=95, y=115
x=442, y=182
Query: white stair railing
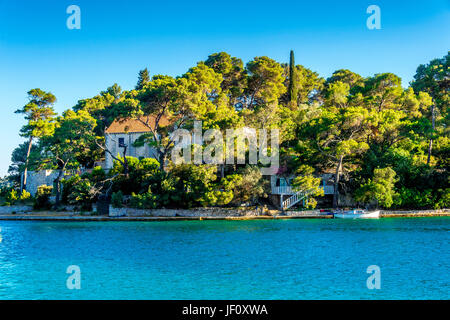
x=294, y=199
x=282, y=190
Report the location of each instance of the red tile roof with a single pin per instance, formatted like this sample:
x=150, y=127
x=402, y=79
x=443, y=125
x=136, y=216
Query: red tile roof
x=129, y=125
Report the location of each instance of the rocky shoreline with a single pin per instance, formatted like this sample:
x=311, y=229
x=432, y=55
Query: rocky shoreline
x=253, y=213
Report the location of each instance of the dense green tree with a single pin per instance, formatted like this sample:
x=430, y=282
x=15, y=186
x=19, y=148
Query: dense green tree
x=70, y=141
x=104, y=107
x=248, y=186
x=19, y=159
x=308, y=183
x=433, y=78
x=338, y=134
x=307, y=85
x=161, y=107
x=39, y=114
x=233, y=74
x=337, y=94
x=347, y=124
x=141, y=174
x=353, y=80
x=265, y=83
x=115, y=90
x=143, y=79
x=380, y=188
x=382, y=91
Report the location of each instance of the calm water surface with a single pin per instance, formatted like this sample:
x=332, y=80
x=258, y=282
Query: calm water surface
x=266, y=259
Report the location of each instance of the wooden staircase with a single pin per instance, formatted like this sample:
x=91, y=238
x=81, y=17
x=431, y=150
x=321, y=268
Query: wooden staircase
x=294, y=199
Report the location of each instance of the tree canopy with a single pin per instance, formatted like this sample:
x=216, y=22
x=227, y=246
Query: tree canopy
x=381, y=140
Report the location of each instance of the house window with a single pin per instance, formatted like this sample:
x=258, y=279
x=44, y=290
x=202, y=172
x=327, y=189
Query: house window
x=281, y=182
x=121, y=142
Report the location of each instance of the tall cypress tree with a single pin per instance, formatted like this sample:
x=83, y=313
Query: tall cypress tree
x=292, y=90
x=143, y=79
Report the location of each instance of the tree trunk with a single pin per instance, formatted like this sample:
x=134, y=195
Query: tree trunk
x=430, y=146
x=125, y=161
x=162, y=160
x=336, y=183
x=58, y=188
x=25, y=171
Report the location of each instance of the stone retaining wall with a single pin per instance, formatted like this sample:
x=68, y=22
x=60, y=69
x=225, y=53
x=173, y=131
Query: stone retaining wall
x=418, y=213
x=15, y=209
x=250, y=212
x=39, y=178
x=302, y=213
x=29, y=209
x=217, y=212
x=197, y=212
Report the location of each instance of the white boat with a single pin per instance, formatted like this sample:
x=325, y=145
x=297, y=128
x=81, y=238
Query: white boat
x=357, y=214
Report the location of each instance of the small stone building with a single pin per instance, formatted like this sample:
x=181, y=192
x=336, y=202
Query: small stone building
x=124, y=132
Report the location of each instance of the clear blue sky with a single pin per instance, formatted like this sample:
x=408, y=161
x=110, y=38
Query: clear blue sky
x=118, y=38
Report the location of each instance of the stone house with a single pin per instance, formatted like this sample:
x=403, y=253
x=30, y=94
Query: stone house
x=124, y=132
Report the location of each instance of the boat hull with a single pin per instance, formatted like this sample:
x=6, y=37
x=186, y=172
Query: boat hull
x=365, y=215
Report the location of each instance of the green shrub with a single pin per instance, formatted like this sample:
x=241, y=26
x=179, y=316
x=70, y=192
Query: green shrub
x=141, y=174
x=117, y=199
x=381, y=188
x=42, y=199
x=248, y=186
x=81, y=195
x=97, y=174
x=144, y=201
x=414, y=198
x=11, y=197
x=68, y=186
x=444, y=201
x=217, y=198
x=191, y=184
x=25, y=195
x=77, y=190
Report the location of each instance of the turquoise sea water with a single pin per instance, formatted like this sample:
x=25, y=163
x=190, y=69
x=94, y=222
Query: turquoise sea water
x=265, y=259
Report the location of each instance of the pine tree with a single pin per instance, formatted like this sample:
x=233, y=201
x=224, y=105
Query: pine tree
x=143, y=79
x=292, y=91
x=40, y=115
